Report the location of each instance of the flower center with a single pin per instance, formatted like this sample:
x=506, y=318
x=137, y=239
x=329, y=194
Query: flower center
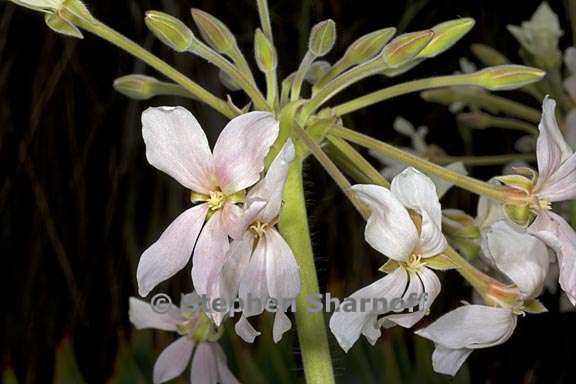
x=258, y=229
x=414, y=263
x=216, y=200
x=541, y=203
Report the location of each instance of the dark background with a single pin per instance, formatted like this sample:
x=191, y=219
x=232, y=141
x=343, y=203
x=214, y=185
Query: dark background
x=79, y=202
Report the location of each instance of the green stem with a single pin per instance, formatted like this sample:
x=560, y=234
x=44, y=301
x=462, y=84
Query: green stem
x=513, y=124
x=264, y=14
x=311, y=327
x=331, y=168
x=102, y=30
x=300, y=74
x=402, y=89
x=484, y=160
x=487, y=101
x=346, y=79
x=272, y=89
x=245, y=83
x=473, y=185
x=358, y=161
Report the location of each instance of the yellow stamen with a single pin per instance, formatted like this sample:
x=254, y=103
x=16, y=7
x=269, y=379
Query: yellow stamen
x=258, y=229
x=216, y=200
x=414, y=263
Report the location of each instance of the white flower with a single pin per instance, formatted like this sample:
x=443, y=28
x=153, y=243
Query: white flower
x=409, y=244
x=470, y=327
x=539, y=36
x=260, y=264
x=208, y=359
x=176, y=144
x=48, y=6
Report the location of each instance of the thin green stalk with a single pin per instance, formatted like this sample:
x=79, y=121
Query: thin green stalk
x=300, y=74
x=272, y=89
x=358, y=161
x=331, y=168
x=240, y=61
x=171, y=89
x=285, y=89
x=207, y=53
x=311, y=326
x=102, y=30
x=264, y=14
x=484, y=160
x=512, y=124
x=341, y=82
x=473, y=185
x=487, y=101
x=402, y=89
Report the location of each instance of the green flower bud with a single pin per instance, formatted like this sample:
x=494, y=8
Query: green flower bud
x=488, y=55
x=213, y=31
x=228, y=82
x=511, y=76
x=170, y=30
x=48, y=6
x=60, y=25
x=317, y=71
x=368, y=46
x=322, y=38
x=446, y=35
x=138, y=87
x=264, y=52
x=405, y=47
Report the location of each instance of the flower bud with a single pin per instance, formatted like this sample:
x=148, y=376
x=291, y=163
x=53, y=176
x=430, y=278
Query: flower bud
x=462, y=231
x=170, y=30
x=505, y=77
x=488, y=55
x=405, y=47
x=62, y=26
x=446, y=35
x=228, y=82
x=264, y=52
x=476, y=119
x=368, y=46
x=317, y=71
x=213, y=31
x=322, y=38
x=138, y=87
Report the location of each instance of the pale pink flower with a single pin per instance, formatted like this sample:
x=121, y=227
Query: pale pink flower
x=208, y=359
x=260, y=264
x=556, y=182
x=410, y=246
x=177, y=145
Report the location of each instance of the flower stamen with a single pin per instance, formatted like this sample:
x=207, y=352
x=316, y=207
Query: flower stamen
x=258, y=229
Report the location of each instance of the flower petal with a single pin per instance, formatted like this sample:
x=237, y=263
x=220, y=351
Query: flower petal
x=209, y=254
x=143, y=316
x=282, y=324
x=551, y=149
x=171, y=252
x=253, y=285
x=225, y=376
x=204, y=365
x=416, y=191
x=245, y=330
x=237, y=220
x=448, y=361
x=173, y=360
x=442, y=186
x=522, y=257
x=432, y=241
x=282, y=271
x=558, y=235
x=471, y=326
x=425, y=281
x=389, y=229
x=271, y=187
x=561, y=185
x=241, y=148
x=347, y=326
x=177, y=145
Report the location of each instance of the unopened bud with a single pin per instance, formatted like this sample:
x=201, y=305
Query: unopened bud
x=170, y=30
x=322, y=38
x=458, y=223
x=265, y=52
x=228, y=82
x=213, y=31
x=441, y=96
x=60, y=25
x=405, y=47
x=317, y=71
x=368, y=46
x=488, y=55
x=75, y=11
x=139, y=87
x=446, y=35
x=505, y=77
x=476, y=120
